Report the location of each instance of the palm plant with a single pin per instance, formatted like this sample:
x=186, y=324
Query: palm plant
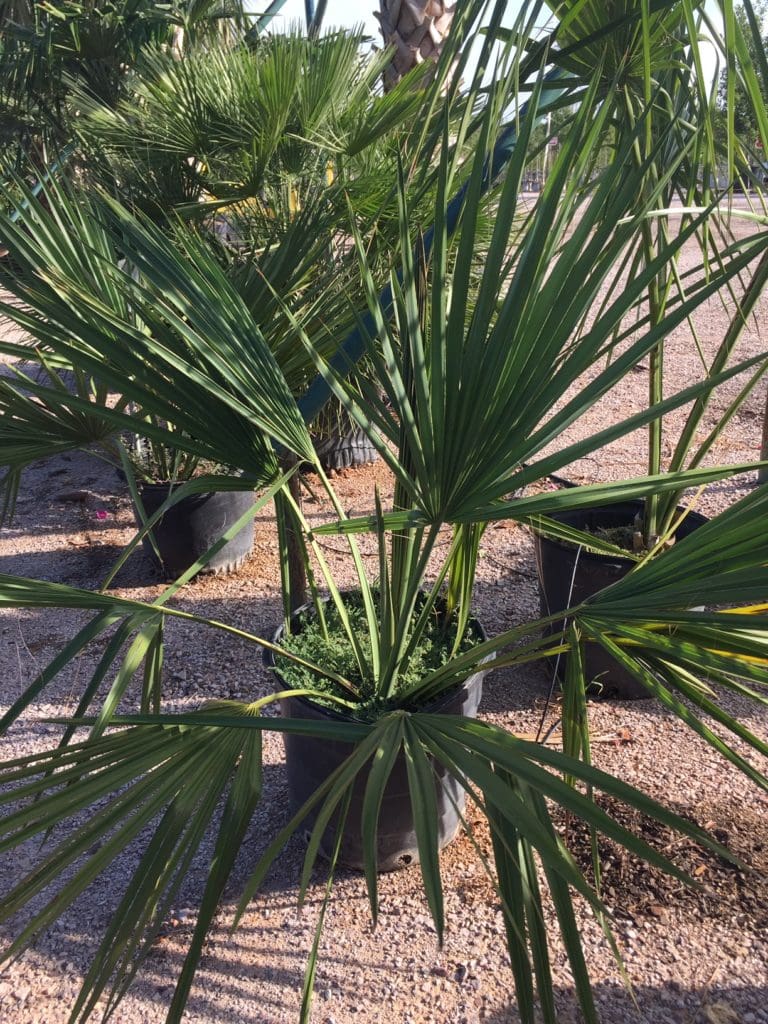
x=269, y=126
x=325, y=142
x=466, y=409
x=652, y=65
x=266, y=146
x=53, y=55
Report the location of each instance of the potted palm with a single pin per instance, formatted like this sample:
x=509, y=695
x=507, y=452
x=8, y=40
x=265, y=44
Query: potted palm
x=184, y=529
x=181, y=501
x=326, y=141
x=463, y=407
x=329, y=137
x=654, y=70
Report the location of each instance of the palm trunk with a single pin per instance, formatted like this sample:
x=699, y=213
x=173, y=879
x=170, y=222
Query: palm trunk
x=417, y=29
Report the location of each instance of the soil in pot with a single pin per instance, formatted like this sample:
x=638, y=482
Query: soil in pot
x=310, y=761
x=568, y=575
x=189, y=528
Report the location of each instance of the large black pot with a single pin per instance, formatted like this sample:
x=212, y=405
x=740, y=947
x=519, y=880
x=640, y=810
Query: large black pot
x=188, y=529
x=310, y=761
x=559, y=588
x=345, y=451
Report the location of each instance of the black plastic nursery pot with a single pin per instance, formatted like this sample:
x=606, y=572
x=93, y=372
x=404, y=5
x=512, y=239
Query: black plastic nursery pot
x=345, y=451
x=188, y=529
x=310, y=761
x=561, y=587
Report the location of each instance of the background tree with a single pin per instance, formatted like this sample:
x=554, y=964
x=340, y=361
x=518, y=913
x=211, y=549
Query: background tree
x=745, y=120
x=417, y=29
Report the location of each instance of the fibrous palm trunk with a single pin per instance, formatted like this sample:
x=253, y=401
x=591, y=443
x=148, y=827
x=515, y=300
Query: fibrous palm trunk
x=417, y=29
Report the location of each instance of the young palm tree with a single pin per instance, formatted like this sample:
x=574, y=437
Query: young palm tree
x=648, y=66
x=263, y=131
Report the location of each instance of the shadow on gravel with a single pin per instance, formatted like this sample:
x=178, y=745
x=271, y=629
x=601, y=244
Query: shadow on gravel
x=254, y=976
x=77, y=566
x=271, y=948
x=84, y=563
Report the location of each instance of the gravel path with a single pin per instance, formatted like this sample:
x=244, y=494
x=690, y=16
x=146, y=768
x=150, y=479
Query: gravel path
x=693, y=957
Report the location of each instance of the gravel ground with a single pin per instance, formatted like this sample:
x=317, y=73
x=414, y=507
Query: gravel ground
x=693, y=957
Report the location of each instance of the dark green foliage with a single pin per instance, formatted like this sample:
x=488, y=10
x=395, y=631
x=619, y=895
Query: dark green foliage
x=330, y=648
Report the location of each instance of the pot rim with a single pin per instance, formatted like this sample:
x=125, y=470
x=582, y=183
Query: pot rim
x=166, y=485
x=695, y=518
